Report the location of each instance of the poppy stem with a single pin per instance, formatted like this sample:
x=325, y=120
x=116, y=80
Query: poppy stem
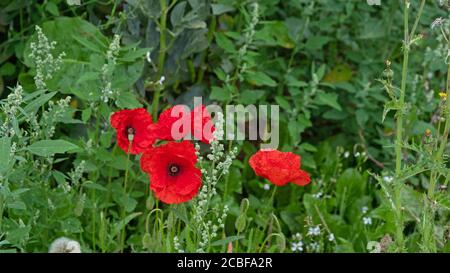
x=272, y=196
x=122, y=236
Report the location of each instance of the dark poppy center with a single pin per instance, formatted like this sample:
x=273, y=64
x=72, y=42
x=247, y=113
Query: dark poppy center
x=130, y=131
x=173, y=169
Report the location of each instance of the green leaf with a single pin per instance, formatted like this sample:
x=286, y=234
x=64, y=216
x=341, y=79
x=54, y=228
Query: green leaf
x=7, y=69
x=316, y=42
x=127, y=100
x=259, y=78
x=227, y=240
x=35, y=104
x=224, y=43
x=218, y=9
x=361, y=117
x=133, y=55
x=283, y=103
x=86, y=114
x=95, y=186
x=124, y=222
x=274, y=33
x=250, y=96
x=5, y=150
x=52, y=8
x=49, y=147
x=88, y=44
x=17, y=204
x=329, y=99
x=219, y=94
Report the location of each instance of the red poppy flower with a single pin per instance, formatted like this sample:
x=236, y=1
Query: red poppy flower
x=171, y=168
x=278, y=167
x=163, y=128
x=198, y=119
x=133, y=122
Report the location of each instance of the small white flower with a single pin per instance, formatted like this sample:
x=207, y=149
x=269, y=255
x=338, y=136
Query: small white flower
x=388, y=179
x=357, y=154
x=266, y=187
x=297, y=247
x=346, y=154
x=437, y=22
x=367, y=221
x=148, y=57
x=161, y=80
x=331, y=237
x=318, y=195
x=314, y=231
x=364, y=209
x=314, y=246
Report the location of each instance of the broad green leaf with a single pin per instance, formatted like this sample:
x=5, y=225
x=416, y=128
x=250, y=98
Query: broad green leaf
x=259, y=78
x=316, y=42
x=329, y=99
x=37, y=103
x=127, y=100
x=219, y=94
x=218, y=9
x=224, y=43
x=95, y=186
x=50, y=147
x=283, y=103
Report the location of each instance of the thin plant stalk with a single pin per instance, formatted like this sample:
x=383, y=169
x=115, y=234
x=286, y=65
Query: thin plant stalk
x=122, y=235
x=399, y=121
x=161, y=55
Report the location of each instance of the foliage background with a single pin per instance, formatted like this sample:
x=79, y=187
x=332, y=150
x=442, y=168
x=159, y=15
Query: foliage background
x=319, y=60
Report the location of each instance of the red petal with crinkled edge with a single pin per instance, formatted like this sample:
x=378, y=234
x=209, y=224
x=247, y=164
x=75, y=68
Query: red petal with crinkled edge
x=169, y=126
x=139, y=120
x=173, y=188
x=278, y=167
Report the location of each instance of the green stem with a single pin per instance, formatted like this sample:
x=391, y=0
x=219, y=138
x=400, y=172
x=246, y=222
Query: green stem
x=122, y=236
x=400, y=113
x=399, y=133
x=161, y=55
x=202, y=67
x=93, y=221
